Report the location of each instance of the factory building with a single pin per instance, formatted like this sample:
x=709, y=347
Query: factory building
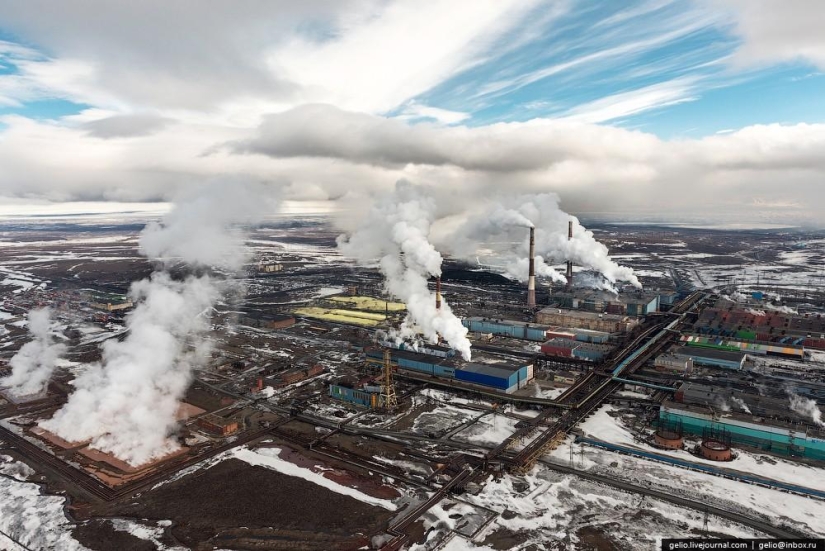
x=429, y=349
x=636, y=303
x=763, y=434
x=582, y=335
x=505, y=378
x=266, y=320
x=674, y=363
x=567, y=348
x=610, y=323
x=753, y=348
x=217, y=425
x=712, y=357
x=368, y=398
x=725, y=319
x=724, y=399
x=507, y=328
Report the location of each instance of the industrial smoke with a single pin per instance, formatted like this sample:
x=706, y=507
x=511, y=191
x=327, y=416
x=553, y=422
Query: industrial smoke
x=127, y=404
x=396, y=232
x=504, y=222
x=806, y=407
x=34, y=363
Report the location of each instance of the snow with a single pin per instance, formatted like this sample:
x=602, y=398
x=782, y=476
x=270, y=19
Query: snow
x=489, y=430
x=144, y=532
x=548, y=506
x=34, y=519
x=270, y=458
x=442, y=419
x=15, y=469
x=602, y=426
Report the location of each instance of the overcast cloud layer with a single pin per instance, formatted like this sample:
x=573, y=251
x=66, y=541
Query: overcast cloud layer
x=340, y=100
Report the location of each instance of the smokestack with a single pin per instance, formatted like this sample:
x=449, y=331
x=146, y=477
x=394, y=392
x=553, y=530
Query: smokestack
x=569, y=273
x=438, y=293
x=531, y=279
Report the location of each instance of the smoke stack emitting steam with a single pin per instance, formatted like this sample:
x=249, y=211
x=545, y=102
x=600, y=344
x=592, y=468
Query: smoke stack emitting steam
x=396, y=231
x=34, y=363
x=127, y=404
x=503, y=221
x=531, y=274
x=569, y=273
x=438, y=293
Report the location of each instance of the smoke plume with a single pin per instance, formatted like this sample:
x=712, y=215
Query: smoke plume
x=741, y=403
x=508, y=218
x=807, y=407
x=34, y=363
x=127, y=404
x=396, y=231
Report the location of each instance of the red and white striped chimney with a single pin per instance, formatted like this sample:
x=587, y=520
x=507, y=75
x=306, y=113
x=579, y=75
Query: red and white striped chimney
x=438, y=293
x=531, y=279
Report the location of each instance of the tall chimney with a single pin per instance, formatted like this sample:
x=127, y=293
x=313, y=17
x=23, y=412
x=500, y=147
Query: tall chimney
x=438, y=293
x=569, y=262
x=531, y=279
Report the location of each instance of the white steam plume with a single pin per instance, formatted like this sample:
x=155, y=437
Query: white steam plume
x=519, y=268
x=34, y=363
x=806, y=407
x=396, y=231
x=127, y=404
x=741, y=403
x=507, y=219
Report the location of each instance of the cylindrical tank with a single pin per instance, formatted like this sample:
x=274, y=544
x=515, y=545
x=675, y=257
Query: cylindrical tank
x=715, y=450
x=668, y=439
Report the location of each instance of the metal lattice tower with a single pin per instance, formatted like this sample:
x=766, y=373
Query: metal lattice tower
x=388, y=394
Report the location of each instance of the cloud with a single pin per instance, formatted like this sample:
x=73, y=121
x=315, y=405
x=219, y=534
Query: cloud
x=125, y=126
x=772, y=32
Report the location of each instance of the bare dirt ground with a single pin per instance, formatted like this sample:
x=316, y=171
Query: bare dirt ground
x=237, y=506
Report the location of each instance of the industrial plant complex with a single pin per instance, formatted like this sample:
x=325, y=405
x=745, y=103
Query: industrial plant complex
x=316, y=421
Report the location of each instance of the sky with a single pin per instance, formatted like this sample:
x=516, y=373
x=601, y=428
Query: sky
x=647, y=109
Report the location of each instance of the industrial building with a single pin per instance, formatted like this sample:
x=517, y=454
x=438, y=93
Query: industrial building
x=753, y=348
x=724, y=399
x=610, y=323
x=266, y=320
x=501, y=377
x=712, y=357
x=507, y=328
x=637, y=303
x=577, y=334
x=674, y=363
x=763, y=434
x=368, y=398
x=725, y=319
x=217, y=425
x=567, y=348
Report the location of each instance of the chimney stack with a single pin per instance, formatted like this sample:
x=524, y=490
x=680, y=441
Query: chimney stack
x=569, y=262
x=531, y=279
x=438, y=293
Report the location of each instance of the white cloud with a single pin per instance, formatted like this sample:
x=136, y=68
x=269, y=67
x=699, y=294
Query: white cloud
x=633, y=102
x=774, y=31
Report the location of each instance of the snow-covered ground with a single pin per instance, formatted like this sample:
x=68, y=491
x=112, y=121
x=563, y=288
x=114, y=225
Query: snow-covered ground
x=270, y=458
x=442, y=419
x=805, y=514
x=603, y=426
x=490, y=430
x=546, y=507
x=34, y=519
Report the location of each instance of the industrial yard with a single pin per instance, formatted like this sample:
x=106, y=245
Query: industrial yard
x=586, y=418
